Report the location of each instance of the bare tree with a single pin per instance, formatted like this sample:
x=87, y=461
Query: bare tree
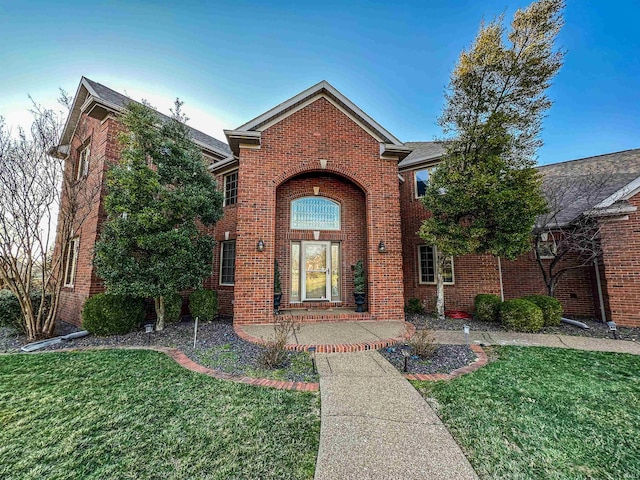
x=37, y=191
x=568, y=237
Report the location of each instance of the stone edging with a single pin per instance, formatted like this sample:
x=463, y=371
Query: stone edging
x=185, y=362
x=334, y=348
x=479, y=362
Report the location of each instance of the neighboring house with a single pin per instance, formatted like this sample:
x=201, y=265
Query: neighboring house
x=317, y=184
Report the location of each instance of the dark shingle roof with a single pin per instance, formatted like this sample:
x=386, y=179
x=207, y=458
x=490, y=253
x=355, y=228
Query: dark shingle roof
x=119, y=100
x=422, y=151
x=579, y=185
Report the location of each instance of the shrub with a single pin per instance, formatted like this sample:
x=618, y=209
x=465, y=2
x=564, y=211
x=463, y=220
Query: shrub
x=274, y=355
x=10, y=312
x=415, y=306
x=423, y=343
x=521, y=315
x=203, y=304
x=172, y=307
x=105, y=314
x=358, y=277
x=551, y=308
x=487, y=307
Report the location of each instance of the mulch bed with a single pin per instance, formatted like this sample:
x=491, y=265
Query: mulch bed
x=596, y=329
x=217, y=347
x=446, y=359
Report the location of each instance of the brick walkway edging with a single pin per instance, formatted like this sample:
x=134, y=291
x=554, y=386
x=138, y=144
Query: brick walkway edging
x=334, y=348
x=185, y=362
x=480, y=361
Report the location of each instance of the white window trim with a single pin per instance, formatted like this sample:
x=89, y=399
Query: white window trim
x=224, y=187
x=70, y=273
x=435, y=259
x=430, y=169
x=222, y=244
x=83, y=161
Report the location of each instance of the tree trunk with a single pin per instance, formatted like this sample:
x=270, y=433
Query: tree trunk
x=159, y=303
x=440, y=287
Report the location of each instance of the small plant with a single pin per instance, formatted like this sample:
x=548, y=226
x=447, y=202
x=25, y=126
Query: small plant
x=172, y=307
x=277, y=282
x=203, y=304
x=423, y=343
x=105, y=314
x=551, y=308
x=274, y=354
x=358, y=277
x=521, y=315
x=487, y=307
x=415, y=306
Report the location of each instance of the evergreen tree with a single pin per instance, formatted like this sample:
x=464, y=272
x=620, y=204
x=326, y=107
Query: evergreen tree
x=159, y=196
x=485, y=195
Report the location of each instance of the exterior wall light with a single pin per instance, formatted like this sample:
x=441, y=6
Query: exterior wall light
x=260, y=246
x=382, y=248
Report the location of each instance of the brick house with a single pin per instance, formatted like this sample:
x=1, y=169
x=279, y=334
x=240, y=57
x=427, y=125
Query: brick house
x=317, y=185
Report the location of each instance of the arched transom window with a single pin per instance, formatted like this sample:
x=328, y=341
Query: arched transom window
x=315, y=213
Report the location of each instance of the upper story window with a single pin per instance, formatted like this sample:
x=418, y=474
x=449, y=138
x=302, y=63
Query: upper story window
x=422, y=180
x=315, y=213
x=427, y=263
x=231, y=189
x=547, y=250
x=82, y=163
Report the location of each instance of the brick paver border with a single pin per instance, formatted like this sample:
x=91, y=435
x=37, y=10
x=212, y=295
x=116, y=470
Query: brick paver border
x=334, y=348
x=185, y=362
x=480, y=361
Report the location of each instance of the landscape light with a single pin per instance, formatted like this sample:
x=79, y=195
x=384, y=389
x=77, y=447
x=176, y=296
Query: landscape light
x=406, y=353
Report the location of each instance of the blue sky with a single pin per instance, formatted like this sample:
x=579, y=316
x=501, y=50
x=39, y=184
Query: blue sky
x=231, y=61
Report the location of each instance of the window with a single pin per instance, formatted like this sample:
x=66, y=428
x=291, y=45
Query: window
x=315, y=213
x=227, y=262
x=547, y=250
x=422, y=180
x=71, y=259
x=82, y=165
x=427, y=258
x=231, y=189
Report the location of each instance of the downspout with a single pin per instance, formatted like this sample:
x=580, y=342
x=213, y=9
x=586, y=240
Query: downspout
x=500, y=275
x=599, y=285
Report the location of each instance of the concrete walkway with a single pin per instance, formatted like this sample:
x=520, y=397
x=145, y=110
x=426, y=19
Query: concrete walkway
x=543, y=340
x=375, y=425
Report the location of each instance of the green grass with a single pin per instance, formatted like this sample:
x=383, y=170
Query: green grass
x=137, y=414
x=542, y=413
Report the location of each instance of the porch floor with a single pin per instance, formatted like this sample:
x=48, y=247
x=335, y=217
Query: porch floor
x=334, y=336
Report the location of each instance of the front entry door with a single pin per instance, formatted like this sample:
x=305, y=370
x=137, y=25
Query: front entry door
x=316, y=271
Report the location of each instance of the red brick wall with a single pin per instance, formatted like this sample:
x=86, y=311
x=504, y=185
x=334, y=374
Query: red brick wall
x=352, y=235
x=621, y=259
x=473, y=274
x=576, y=289
x=291, y=147
x=104, y=149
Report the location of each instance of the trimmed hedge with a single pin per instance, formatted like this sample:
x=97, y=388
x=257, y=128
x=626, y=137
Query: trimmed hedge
x=551, y=308
x=172, y=307
x=10, y=312
x=105, y=314
x=487, y=307
x=203, y=304
x=521, y=315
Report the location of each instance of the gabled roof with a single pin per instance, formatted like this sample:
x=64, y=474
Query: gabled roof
x=421, y=152
x=593, y=183
x=94, y=97
x=298, y=101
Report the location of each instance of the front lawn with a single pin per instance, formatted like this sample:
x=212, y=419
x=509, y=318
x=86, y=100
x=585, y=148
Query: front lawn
x=546, y=413
x=137, y=414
